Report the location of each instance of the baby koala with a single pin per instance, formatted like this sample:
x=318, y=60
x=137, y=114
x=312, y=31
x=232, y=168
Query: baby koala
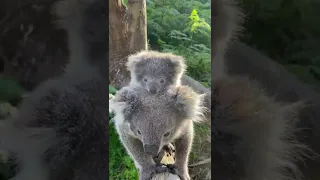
x=155, y=71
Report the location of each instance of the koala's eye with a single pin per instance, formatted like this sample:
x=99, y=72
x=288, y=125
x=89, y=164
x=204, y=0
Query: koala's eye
x=139, y=132
x=161, y=81
x=167, y=134
x=145, y=79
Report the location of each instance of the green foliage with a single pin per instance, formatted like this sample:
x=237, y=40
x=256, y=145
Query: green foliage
x=121, y=167
x=183, y=27
x=112, y=90
x=10, y=91
x=6, y=171
x=286, y=30
x=303, y=73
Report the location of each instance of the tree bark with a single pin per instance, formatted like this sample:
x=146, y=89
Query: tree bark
x=137, y=22
x=118, y=43
x=127, y=35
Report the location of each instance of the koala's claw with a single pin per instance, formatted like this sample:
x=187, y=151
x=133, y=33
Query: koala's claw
x=169, y=149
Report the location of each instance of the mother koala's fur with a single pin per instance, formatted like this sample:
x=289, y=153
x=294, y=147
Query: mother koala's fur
x=144, y=119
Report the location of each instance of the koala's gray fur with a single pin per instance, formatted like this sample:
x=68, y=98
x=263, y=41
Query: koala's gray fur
x=143, y=121
x=157, y=65
x=155, y=71
x=72, y=108
x=253, y=135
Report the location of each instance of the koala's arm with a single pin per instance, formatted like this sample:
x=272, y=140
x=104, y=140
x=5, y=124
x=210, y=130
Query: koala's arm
x=199, y=88
x=183, y=149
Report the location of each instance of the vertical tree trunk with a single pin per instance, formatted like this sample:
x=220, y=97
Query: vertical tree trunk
x=137, y=22
x=127, y=35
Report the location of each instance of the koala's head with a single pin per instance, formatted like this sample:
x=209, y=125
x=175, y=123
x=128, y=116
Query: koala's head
x=157, y=119
x=155, y=71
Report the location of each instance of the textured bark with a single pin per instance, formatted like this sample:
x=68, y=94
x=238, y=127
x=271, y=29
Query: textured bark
x=118, y=43
x=127, y=35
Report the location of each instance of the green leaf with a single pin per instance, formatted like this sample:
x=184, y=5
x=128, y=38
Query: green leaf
x=112, y=90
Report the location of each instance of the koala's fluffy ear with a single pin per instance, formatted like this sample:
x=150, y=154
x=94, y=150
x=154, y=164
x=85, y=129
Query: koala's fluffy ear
x=133, y=59
x=124, y=102
x=187, y=102
x=179, y=64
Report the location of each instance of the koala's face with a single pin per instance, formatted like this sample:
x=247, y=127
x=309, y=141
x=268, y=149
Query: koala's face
x=154, y=123
x=156, y=75
x=153, y=130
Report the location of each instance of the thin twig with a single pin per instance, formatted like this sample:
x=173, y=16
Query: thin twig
x=206, y=161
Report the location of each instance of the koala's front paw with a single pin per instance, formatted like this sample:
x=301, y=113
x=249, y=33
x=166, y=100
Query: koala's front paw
x=166, y=150
x=169, y=148
x=146, y=173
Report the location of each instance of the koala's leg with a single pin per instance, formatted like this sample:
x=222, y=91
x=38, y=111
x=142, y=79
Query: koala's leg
x=183, y=148
x=143, y=162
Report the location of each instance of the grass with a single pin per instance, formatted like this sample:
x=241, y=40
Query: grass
x=121, y=167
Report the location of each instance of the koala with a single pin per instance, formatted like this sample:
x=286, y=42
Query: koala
x=253, y=135
x=155, y=71
x=66, y=117
x=235, y=58
x=146, y=122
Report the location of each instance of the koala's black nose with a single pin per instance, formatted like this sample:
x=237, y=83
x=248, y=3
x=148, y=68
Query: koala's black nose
x=151, y=149
x=153, y=88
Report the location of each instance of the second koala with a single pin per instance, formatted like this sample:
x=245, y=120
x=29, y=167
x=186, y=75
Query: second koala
x=146, y=122
x=155, y=71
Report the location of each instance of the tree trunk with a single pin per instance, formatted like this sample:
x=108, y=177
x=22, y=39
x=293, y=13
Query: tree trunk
x=127, y=35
